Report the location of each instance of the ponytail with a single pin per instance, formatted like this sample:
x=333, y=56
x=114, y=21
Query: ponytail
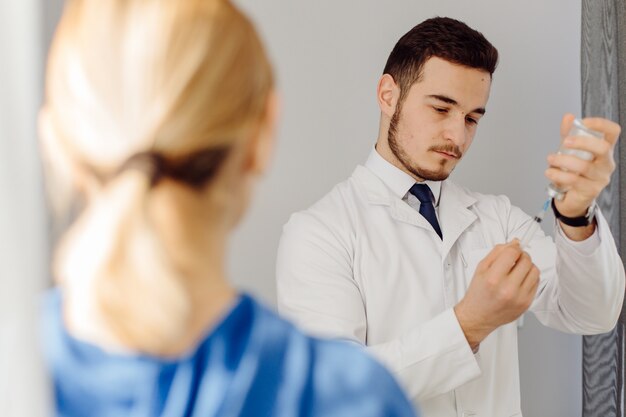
x=117, y=260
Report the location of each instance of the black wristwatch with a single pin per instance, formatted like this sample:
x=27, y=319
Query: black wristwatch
x=579, y=221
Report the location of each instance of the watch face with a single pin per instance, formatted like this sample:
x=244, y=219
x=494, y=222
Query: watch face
x=591, y=212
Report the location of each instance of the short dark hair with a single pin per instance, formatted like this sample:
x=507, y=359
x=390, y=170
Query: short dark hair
x=440, y=37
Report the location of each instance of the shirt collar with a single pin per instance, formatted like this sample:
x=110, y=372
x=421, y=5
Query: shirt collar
x=398, y=181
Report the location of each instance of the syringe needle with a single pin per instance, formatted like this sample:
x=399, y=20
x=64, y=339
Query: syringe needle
x=525, y=240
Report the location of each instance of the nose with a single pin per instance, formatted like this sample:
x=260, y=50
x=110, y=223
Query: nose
x=455, y=130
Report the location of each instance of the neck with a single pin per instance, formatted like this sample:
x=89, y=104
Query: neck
x=383, y=149
x=382, y=144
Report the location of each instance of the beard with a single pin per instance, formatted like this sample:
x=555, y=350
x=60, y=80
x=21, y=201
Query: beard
x=412, y=166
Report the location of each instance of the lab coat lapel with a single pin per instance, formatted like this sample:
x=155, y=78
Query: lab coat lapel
x=402, y=212
x=454, y=213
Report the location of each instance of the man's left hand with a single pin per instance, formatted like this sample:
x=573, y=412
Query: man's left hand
x=583, y=180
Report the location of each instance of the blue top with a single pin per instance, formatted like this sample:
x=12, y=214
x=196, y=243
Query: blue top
x=251, y=364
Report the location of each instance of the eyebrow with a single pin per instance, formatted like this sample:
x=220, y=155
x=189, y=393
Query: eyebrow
x=448, y=100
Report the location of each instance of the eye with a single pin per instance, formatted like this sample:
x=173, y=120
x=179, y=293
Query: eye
x=471, y=121
x=440, y=110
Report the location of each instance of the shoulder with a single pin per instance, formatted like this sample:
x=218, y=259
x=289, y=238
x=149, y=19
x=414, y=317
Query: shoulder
x=345, y=208
x=334, y=207
x=332, y=378
x=331, y=222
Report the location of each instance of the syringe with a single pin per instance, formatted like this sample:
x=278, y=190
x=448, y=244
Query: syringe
x=525, y=240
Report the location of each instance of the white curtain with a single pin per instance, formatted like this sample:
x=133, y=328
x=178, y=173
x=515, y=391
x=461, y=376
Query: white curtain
x=23, y=244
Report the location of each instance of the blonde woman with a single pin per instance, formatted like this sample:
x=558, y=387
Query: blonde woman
x=161, y=114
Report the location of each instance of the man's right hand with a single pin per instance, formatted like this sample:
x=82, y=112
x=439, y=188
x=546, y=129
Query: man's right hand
x=502, y=289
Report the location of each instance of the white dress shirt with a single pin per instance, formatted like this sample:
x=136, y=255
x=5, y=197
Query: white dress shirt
x=362, y=264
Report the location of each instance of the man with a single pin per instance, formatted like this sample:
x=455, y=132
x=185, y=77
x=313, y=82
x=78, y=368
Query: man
x=431, y=276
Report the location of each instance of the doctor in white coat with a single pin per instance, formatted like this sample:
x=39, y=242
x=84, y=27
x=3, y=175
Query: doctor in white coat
x=432, y=279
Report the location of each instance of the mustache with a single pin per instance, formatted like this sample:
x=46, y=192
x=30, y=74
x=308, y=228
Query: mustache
x=449, y=148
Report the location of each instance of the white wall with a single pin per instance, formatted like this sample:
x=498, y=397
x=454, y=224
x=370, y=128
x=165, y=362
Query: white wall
x=23, y=253
x=329, y=56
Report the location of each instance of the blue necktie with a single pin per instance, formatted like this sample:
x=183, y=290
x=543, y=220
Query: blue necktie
x=424, y=195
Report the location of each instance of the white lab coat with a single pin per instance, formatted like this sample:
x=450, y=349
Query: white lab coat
x=361, y=264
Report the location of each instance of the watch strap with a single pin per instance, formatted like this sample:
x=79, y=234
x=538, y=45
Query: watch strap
x=579, y=221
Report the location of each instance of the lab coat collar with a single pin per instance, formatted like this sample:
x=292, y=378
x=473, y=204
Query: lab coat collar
x=398, y=181
x=454, y=213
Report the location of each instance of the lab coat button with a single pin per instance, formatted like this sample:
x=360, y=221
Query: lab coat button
x=468, y=414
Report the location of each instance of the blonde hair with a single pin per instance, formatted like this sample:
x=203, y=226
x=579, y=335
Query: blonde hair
x=126, y=77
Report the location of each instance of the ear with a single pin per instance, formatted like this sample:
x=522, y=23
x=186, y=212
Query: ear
x=388, y=94
x=262, y=145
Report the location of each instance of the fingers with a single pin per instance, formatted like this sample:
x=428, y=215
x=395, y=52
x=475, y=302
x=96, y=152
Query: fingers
x=491, y=256
x=587, y=177
x=598, y=147
x=572, y=172
x=571, y=163
x=520, y=270
x=527, y=291
x=570, y=180
x=610, y=129
x=566, y=123
x=506, y=259
x=531, y=282
x=523, y=282
x=503, y=290
x=517, y=286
